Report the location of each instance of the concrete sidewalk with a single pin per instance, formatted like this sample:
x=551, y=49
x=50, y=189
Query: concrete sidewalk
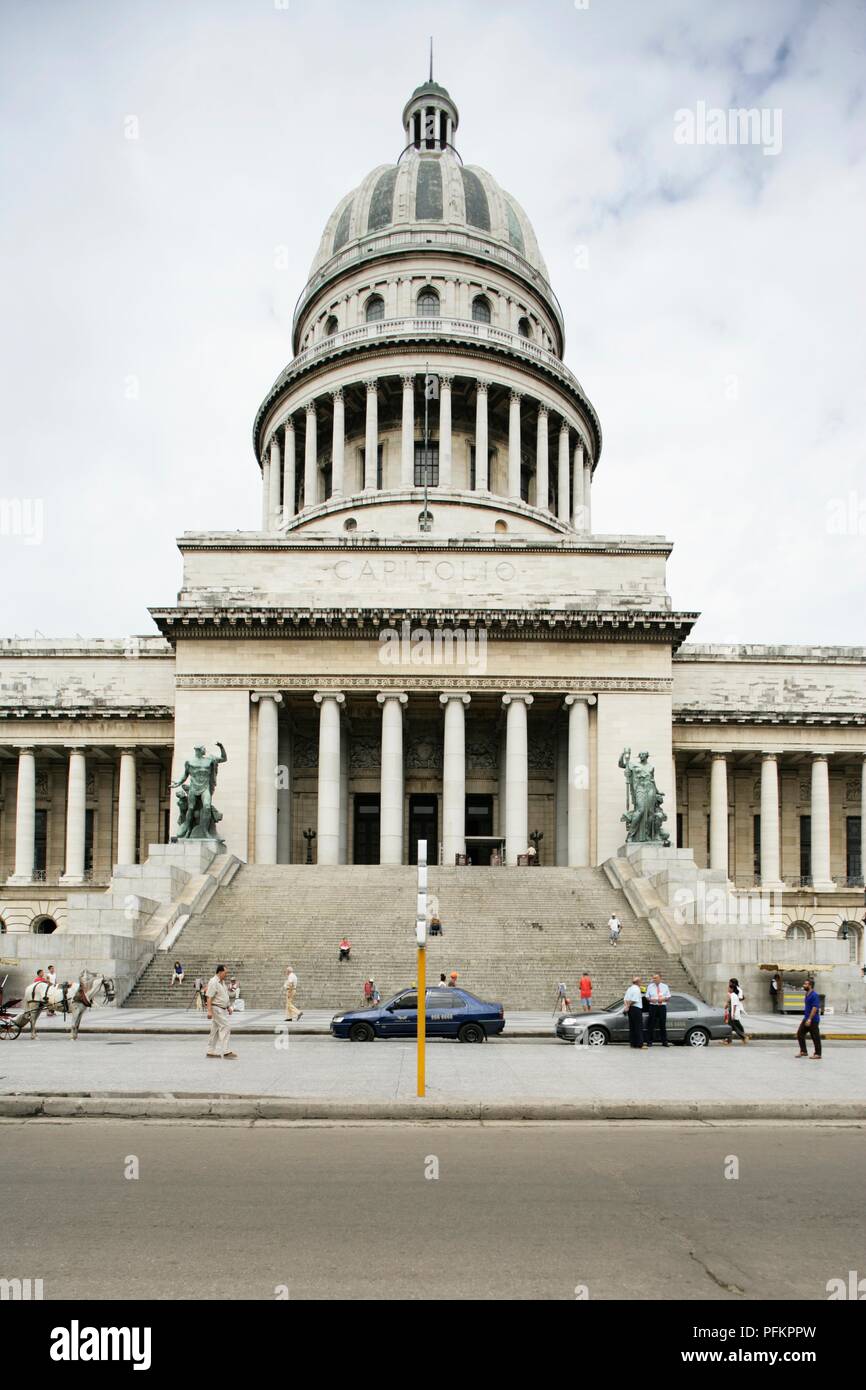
x=518, y=1023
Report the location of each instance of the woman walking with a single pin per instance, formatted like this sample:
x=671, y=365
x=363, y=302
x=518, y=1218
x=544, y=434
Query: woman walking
x=735, y=1011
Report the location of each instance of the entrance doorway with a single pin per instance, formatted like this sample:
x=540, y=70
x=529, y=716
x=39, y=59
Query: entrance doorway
x=424, y=825
x=479, y=821
x=365, y=840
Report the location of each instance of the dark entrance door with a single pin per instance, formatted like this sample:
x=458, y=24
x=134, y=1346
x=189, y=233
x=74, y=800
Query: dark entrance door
x=366, y=828
x=423, y=825
x=479, y=821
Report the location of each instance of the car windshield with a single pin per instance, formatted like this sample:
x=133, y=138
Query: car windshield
x=612, y=1008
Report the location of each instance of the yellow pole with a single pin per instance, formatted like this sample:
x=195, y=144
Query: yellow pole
x=422, y=1016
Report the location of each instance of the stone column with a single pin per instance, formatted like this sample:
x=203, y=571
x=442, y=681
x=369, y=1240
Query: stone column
x=267, y=759
x=338, y=445
x=563, y=501
x=391, y=298
x=514, y=445
x=275, y=483
x=578, y=473
x=579, y=806
x=371, y=439
x=587, y=494
x=482, y=481
x=770, y=823
x=719, y=813
x=542, y=487
x=671, y=808
x=454, y=775
x=450, y=297
x=266, y=492
x=561, y=798
x=289, y=469
x=445, y=440
x=76, y=807
x=328, y=828
x=821, y=878
x=407, y=441
x=463, y=299
x=343, y=842
x=284, y=793
x=126, y=808
x=25, y=818
x=311, y=466
x=391, y=786
x=516, y=776
x=863, y=821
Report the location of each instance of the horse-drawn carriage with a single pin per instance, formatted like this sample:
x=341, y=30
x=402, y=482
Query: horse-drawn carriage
x=70, y=997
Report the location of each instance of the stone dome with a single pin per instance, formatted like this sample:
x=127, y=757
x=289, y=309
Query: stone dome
x=429, y=190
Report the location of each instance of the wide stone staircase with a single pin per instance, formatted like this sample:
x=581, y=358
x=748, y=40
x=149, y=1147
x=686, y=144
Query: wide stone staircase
x=511, y=934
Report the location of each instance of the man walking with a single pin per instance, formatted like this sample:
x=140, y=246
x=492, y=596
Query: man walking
x=634, y=1009
x=219, y=1011
x=658, y=995
x=614, y=926
x=811, y=1022
x=290, y=984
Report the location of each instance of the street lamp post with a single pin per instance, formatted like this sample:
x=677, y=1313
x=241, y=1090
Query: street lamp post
x=421, y=939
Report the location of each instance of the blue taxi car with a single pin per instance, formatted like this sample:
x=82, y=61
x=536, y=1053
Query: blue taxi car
x=451, y=1013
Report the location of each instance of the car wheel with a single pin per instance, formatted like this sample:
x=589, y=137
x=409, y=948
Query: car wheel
x=697, y=1037
x=596, y=1037
x=471, y=1033
x=361, y=1032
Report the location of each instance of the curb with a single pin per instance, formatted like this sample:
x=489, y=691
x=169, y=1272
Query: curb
x=265, y=1031
x=152, y=1107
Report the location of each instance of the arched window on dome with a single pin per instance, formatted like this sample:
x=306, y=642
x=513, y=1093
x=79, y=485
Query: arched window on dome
x=331, y=326
x=427, y=303
x=481, y=309
x=375, y=308
x=524, y=328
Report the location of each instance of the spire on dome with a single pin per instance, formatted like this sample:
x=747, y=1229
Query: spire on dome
x=430, y=117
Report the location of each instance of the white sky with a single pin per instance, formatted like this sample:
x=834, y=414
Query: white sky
x=718, y=326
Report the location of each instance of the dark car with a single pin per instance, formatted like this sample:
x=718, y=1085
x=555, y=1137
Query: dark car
x=451, y=1013
x=689, y=1020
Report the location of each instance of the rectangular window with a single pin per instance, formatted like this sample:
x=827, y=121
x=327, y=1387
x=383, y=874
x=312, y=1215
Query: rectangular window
x=88, y=841
x=490, y=457
x=680, y=830
x=805, y=849
x=756, y=846
x=378, y=466
x=40, y=858
x=138, y=837
x=427, y=465
x=166, y=827
x=853, y=850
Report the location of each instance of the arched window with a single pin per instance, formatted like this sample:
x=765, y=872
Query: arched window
x=2, y=926
x=44, y=926
x=427, y=303
x=799, y=931
x=481, y=309
x=375, y=308
x=350, y=524
x=852, y=932
x=331, y=326
x=524, y=328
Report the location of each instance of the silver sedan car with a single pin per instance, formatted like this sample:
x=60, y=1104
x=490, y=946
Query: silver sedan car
x=689, y=1020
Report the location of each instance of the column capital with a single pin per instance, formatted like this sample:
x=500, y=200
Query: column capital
x=289, y=423
x=574, y=697
x=462, y=695
x=310, y=408
x=322, y=695
x=24, y=748
x=256, y=695
x=481, y=386
x=818, y=757
x=384, y=695
x=336, y=394
x=719, y=757
x=515, y=397
x=408, y=381
x=446, y=380
x=514, y=695
x=372, y=384
x=564, y=427
x=543, y=410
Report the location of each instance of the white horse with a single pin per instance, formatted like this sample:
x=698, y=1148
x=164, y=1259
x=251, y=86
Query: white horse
x=73, y=998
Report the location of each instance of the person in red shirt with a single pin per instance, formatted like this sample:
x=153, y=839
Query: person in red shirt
x=585, y=988
x=345, y=948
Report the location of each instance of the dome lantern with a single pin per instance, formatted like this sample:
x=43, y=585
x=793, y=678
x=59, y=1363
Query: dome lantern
x=430, y=117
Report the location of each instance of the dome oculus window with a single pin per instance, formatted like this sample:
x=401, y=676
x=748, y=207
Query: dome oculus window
x=375, y=309
x=481, y=309
x=428, y=304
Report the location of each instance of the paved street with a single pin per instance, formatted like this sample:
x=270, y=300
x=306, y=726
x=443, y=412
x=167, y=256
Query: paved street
x=520, y=1069
x=525, y=1212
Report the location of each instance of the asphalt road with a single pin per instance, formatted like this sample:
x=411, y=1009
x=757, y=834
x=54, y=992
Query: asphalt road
x=516, y=1212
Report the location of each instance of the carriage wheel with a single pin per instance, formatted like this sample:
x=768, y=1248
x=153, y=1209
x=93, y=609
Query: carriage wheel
x=9, y=1029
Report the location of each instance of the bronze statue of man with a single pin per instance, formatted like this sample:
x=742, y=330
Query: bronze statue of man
x=199, y=775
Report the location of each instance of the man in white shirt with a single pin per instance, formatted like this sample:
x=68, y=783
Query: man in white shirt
x=219, y=1012
x=634, y=1009
x=614, y=926
x=290, y=984
x=657, y=994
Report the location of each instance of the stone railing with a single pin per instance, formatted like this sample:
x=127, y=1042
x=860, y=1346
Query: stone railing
x=381, y=330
